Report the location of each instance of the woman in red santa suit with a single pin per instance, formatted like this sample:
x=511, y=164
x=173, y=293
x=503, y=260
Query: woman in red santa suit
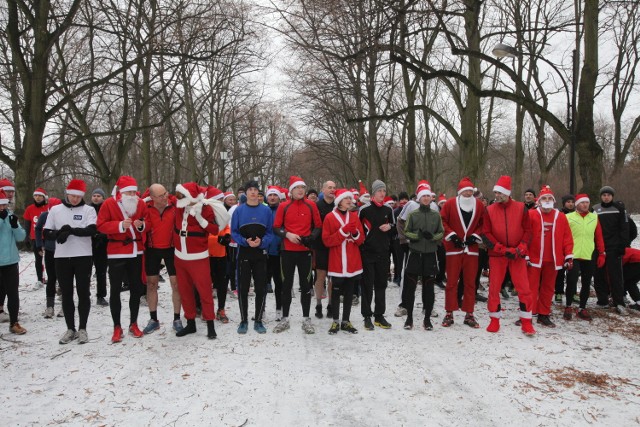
x=194, y=222
x=550, y=249
x=462, y=221
x=342, y=233
x=122, y=219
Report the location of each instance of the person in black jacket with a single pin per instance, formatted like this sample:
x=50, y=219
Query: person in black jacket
x=376, y=219
x=614, y=221
x=99, y=245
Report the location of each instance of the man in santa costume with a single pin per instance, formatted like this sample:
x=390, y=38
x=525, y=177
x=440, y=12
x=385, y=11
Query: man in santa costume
x=506, y=230
x=122, y=219
x=462, y=221
x=195, y=220
x=550, y=250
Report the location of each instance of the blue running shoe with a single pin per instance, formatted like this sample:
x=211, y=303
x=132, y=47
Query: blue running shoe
x=243, y=327
x=259, y=328
x=177, y=325
x=152, y=326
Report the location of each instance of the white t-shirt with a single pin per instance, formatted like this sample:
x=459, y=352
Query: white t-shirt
x=77, y=217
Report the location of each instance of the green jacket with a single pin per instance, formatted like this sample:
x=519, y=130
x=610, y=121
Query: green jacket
x=418, y=221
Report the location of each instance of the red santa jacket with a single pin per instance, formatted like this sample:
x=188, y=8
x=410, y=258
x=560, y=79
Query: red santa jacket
x=561, y=240
x=190, y=238
x=122, y=243
x=453, y=223
x=506, y=224
x=344, y=254
x=300, y=217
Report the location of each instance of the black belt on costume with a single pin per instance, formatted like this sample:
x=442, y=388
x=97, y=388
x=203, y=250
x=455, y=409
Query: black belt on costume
x=126, y=241
x=187, y=233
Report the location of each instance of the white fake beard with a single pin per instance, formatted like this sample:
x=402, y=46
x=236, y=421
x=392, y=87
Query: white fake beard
x=547, y=205
x=467, y=203
x=130, y=204
x=183, y=203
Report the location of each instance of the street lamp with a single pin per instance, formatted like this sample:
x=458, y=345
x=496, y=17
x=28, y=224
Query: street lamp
x=502, y=50
x=223, y=158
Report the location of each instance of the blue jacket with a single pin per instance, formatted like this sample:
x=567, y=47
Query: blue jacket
x=49, y=245
x=274, y=247
x=245, y=214
x=8, y=237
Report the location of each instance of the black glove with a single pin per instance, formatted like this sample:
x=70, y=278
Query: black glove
x=457, y=241
x=224, y=240
x=27, y=243
x=470, y=241
x=306, y=241
x=510, y=253
x=13, y=220
x=427, y=235
x=63, y=233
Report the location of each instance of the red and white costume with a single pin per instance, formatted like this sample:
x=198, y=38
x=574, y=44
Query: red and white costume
x=550, y=247
x=344, y=253
x=462, y=217
x=193, y=224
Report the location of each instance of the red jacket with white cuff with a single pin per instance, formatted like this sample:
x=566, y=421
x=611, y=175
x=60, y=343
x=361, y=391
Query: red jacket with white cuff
x=453, y=223
x=191, y=233
x=122, y=243
x=562, y=239
x=344, y=253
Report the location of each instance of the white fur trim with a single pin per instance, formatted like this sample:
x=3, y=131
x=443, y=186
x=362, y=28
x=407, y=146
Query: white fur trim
x=582, y=199
x=271, y=191
x=424, y=192
x=296, y=184
x=191, y=256
x=465, y=189
x=9, y=188
x=496, y=315
x=4, y=201
x=75, y=192
x=129, y=188
x=39, y=193
x=342, y=197
x=525, y=315
x=502, y=190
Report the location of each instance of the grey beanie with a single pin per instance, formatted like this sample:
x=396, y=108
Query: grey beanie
x=99, y=191
x=377, y=185
x=607, y=189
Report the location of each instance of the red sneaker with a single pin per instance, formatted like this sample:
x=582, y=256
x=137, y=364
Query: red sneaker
x=117, y=334
x=135, y=331
x=527, y=327
x=221, y=316
x=494, y=326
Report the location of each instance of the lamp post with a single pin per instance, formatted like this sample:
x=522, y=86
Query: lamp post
x=502, y=50
x=223, y=158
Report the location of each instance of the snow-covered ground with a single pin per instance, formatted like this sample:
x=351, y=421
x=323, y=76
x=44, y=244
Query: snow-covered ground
x=455, y=376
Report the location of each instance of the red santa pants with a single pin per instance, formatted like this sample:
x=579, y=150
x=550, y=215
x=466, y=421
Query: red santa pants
x=497, y=270
x=468, y=264
x=542, y=283
x=195, y=274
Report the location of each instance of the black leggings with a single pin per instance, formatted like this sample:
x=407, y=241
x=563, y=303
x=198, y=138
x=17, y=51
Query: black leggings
x=39, y=260
x=218, y=271
x=9, y=280
x=79, y=268
x=289, y=260
x=342, y=286
x=52, y=277
x=100, y=262
x=232, y=254
x=251, y=263
x=631, y=274
x=120, y=269
x=584, y=269
x=273, y=272
x=374, y=278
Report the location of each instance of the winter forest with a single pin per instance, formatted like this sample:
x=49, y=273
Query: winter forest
x=218, y=92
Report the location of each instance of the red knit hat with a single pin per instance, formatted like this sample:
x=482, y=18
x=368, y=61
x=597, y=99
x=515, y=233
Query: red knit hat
x=214, y=193
x=424, y=189
x=76, y=187
x=582, y=198
x=363, y=189
x=341, y=194
x=4, y=200
x=465, y=184
x=295, y=181
x=503, y=185
x=125, y=183
x=40, y=192
x=7, y=185
x=546, y=191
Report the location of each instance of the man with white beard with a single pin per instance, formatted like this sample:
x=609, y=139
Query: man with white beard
x=122, y=219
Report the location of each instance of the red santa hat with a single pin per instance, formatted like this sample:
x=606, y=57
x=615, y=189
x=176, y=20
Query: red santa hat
x=295, y=181
x=465, y=184
x=54, y=201
x=341, y=194
x=443, y=198
x=273, y=189
x=191, y=193
x=146, y=196
x=363, y=189
x=4, y=200
x=424, y=189
x=227, y=194
x=582, y=198
x=388, y=201
x=354, y=191
x=7, y=185
x=76, y=187
x=40, y=192
x=503, y=185
x=125, y=183
x=214, y=193
x=546, y=191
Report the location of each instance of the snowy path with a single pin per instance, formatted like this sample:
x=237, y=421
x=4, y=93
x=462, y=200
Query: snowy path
x=455, y=376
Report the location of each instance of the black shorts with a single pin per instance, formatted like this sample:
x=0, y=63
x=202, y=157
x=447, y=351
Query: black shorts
x=423, y=265
x=153, y=258
x=321, y=256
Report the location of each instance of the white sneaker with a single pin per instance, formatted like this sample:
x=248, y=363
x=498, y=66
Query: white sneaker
x=282, y=326
x=68, y=336
x=401, y=311
x=4, y=317
x=48, y=313
x=83, y=337
x=38, y=285
x=60, y=313
x=622, y=310
x=307, y=327
x=278, y=315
